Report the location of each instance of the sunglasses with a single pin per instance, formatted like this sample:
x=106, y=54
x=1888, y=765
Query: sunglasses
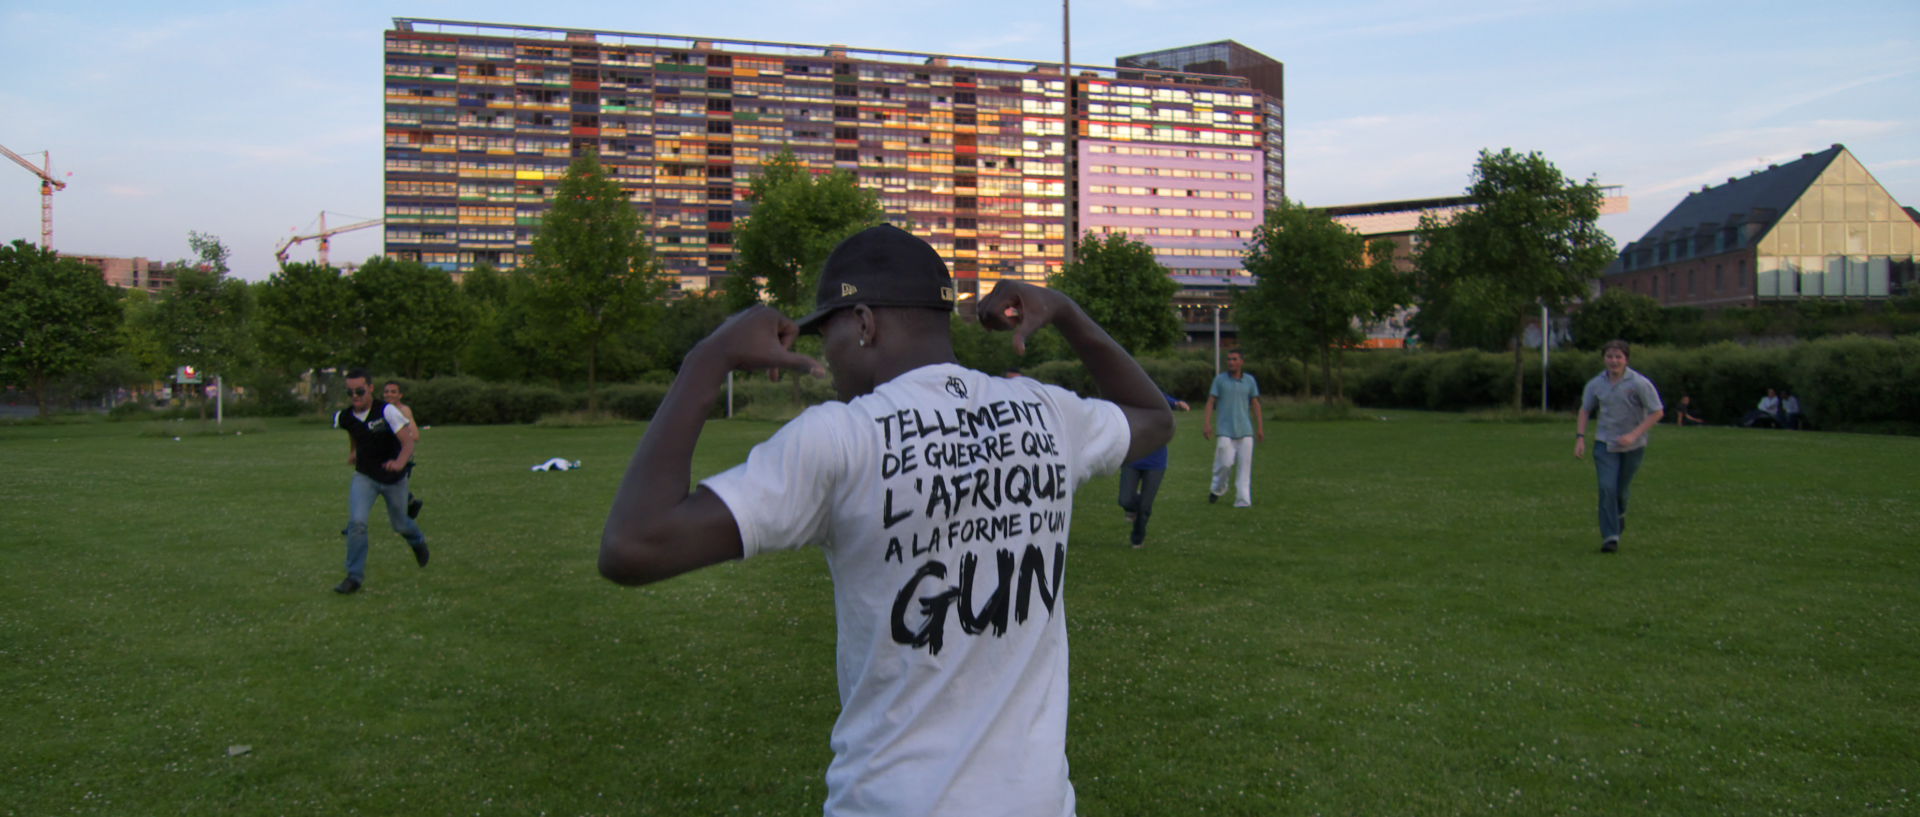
x=360, y=392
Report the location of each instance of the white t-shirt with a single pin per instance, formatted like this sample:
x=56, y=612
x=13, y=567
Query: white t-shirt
x=942, y=501
x=396, y=420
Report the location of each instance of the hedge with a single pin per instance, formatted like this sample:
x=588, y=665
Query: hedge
x=1844, y=383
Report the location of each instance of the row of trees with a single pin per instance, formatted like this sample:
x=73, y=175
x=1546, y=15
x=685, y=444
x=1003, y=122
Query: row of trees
x=588, y=305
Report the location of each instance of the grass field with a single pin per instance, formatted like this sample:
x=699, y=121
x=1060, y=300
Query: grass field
x=1413, y=619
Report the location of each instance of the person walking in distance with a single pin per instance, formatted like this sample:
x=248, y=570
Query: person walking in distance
x=1236, y=397
x=1627, y=405
x=942, y=498
x=380, y=443
x=1140, y=483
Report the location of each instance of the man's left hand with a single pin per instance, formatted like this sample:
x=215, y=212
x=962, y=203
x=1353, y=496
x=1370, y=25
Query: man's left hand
x=393, y=465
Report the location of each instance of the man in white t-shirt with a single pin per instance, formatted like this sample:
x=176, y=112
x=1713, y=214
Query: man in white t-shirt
x=941, y=496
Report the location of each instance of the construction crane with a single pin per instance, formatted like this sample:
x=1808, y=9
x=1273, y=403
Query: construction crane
x=325, y=234
x=48, y=184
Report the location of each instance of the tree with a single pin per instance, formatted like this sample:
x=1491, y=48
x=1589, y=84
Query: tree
x=1530, y=239
x=57, y=316
x=1119, y=284
x=593, y=272
x=496, y=348
x=1617, y=313
x=201, y=320
x=310, y=318
x=1315, y=281
x=416, y=317
x=798, y=217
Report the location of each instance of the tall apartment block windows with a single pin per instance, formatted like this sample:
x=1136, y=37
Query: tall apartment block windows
x=482, y=120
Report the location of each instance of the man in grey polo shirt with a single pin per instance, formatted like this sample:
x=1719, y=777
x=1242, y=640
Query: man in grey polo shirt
x=1626, y=405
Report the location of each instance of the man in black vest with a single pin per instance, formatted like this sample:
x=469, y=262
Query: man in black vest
x=379, y=446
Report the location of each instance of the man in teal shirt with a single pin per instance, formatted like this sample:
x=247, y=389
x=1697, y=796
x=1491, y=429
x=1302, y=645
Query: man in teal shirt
x=1236, y=395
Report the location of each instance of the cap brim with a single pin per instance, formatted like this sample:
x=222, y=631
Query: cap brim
x=810, y=325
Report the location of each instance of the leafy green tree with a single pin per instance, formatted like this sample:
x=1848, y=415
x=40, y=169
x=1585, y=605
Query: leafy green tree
x=1530, y=239
x=688, y=320
x=593, y=272
x=57, y=317
x=139, y=337
x=309, y=318
x=495, y=349
x=416, y=317
x=202, y=319
x=1316, y=282
x=1617, y=313
x=1120, y=285
x=797, y=219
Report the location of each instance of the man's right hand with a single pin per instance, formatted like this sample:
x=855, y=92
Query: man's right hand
x=1021, y=308
x=1206, y=431
x=755, y=338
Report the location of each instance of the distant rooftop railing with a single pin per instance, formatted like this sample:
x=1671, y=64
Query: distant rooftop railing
x=563, y=36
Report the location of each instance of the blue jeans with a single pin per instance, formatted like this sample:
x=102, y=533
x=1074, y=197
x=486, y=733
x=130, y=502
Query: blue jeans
x=360, y=506
x=1616, y=476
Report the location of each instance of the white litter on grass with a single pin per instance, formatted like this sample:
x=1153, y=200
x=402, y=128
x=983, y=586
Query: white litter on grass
x=559, y=464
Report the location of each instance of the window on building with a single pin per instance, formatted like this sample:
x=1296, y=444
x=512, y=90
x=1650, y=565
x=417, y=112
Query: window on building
x=719, y=83
x=719, y=215
x=719, y=127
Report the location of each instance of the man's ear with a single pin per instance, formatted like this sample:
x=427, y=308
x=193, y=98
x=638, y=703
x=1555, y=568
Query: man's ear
x=869, y=324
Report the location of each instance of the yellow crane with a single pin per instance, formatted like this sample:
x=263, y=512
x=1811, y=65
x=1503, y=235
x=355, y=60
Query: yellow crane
x=325, y=234
x=48, y=184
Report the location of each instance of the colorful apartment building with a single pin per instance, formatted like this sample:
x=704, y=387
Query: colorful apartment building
x=482, y=120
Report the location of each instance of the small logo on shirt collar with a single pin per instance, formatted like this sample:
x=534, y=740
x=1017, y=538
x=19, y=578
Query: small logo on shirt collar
x=956, y=387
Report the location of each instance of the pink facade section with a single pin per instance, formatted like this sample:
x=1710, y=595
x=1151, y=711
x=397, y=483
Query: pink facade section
x=1197, y=206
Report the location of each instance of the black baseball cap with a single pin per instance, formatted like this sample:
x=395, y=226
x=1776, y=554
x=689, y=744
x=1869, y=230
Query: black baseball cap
x=881, y=266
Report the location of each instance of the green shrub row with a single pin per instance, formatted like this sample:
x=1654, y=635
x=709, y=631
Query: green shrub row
x=1844, y=383
x=471, y=401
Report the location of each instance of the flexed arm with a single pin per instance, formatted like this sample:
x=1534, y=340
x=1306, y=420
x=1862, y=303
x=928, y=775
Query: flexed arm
x=1025, y=308
x=657, y=528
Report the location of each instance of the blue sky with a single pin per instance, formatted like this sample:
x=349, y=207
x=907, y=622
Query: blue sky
x=245, y=120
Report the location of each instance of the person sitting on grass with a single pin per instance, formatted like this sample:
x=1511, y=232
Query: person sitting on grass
x=1766, y=414
x=1683, y=413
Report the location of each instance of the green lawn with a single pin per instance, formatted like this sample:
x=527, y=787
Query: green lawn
x=1413, y=619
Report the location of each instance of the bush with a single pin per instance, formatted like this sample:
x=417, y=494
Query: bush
x=136, y=409
x=468, y=401
x=636, y=401
x=1850, y=383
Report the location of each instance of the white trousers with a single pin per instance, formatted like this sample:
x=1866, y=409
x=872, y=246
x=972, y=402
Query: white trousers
x=1227, y=452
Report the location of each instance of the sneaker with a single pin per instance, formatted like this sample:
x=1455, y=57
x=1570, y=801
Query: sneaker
x=347, y=585
x=1130, y=516
x=420, y=553
x=413, y=506
x=1610, y=546
x=1212, y=497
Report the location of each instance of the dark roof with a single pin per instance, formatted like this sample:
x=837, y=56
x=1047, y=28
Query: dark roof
x=1740, y=199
